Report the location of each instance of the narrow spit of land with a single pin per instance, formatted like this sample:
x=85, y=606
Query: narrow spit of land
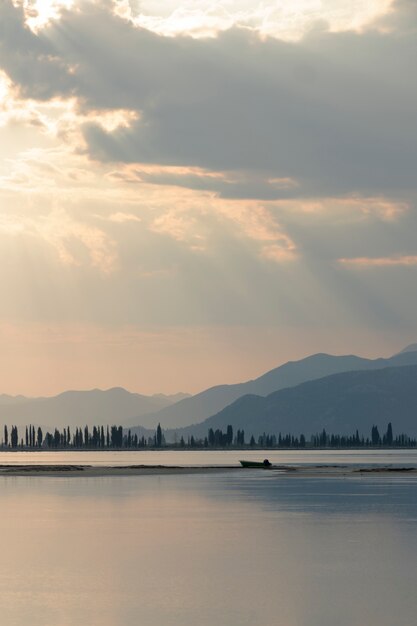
x=144, y=470
x=122, y=470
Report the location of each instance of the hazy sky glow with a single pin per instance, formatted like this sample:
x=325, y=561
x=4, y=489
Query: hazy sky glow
x=194, y=192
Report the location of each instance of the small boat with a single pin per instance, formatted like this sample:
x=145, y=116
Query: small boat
x=265, y=464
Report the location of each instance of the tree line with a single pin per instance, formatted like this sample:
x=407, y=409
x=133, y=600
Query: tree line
x=376, y=440
x=115, y=437
x=219, y=439
x=97, y=437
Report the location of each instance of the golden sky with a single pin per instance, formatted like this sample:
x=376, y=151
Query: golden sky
x=194, y=192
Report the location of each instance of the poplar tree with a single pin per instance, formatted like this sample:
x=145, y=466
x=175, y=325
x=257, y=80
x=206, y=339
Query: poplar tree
x=158, y=437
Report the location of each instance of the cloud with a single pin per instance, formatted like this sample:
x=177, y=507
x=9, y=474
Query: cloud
x=287, y=20
x=182, y=228
x=29, y=60
x=401, y=17
x=347, y=209
x=259, y=225
x=121, y=218
x=38, y=13
x=74, y=242
x=228, y=185
x=375, y=262
x=189, y=181
x=334, y=112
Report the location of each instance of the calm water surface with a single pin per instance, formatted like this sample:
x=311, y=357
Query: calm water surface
x=234, y=549
x=212, y=457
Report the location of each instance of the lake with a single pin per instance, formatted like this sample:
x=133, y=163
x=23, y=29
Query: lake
x=192, y=458
x=242, y=548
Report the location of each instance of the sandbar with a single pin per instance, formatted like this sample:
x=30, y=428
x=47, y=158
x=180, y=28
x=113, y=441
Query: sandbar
x=108, y=470
x=149, y=470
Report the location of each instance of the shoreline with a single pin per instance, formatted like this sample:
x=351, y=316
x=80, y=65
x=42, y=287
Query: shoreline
x=245, y=448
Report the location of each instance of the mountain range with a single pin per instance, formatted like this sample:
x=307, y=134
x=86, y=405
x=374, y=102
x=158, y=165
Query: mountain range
x=340, y=403
x=96, y=406
x=199, y=407
x=308, y=394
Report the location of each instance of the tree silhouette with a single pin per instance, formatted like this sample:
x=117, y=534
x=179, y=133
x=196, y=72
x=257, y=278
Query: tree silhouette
x=158, y=436
x=389, y=436
x=14, y=438
x=375, y=436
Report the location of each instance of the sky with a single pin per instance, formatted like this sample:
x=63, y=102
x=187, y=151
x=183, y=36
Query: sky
x=194, y=192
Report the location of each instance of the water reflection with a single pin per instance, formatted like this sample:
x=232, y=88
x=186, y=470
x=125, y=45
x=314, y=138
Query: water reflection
x=229, y=549
x=343, y=495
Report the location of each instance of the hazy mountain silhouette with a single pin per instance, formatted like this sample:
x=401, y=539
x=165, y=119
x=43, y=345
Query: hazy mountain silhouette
x=112, y=406
x=411, y=348
x=118, y=406
x=6, y=399
x=340, y=403
x=197, y=408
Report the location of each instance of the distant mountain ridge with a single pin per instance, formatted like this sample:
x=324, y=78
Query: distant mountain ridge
x=199, y=407
x=340, y=403
x=411, y=348
x=96, y=406
x=118, y=406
